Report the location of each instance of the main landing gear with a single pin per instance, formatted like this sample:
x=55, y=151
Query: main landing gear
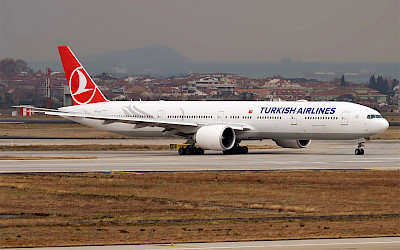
x=190, y=150
x=236, y=150
x=359, y=150
x=187, y=148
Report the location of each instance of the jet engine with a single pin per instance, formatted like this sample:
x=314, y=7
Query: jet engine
x=293, y=143
x=215, y=137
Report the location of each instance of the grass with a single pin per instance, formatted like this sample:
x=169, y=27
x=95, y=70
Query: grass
x=54, y=130
x=76, y=209
x=392, y=133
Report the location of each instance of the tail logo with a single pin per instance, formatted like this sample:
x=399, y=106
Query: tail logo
x=81, y=86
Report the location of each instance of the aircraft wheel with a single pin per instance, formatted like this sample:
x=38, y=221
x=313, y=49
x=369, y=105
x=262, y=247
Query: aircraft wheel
x=181, y=151
x=359, y=151
x=199, y=151
x=188, y=151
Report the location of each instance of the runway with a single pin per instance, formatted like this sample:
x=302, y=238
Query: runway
x=392, y=243
x=382, y=155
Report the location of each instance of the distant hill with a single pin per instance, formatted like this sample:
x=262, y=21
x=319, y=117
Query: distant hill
x=164, y=61
x=153, y=60
x=156, y=60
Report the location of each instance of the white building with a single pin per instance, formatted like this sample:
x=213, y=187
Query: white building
x=210, y=83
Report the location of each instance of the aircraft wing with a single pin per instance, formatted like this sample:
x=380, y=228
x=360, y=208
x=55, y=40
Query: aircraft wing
x=35, y=109
x=150, y=122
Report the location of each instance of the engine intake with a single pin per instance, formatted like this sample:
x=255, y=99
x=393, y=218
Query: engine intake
x=215, y=137
x=293, y=143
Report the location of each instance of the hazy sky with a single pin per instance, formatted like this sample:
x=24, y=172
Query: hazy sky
x=206, y=30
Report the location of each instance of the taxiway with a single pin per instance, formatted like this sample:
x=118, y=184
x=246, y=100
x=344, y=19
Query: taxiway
x=392, y=243
x=382, y=155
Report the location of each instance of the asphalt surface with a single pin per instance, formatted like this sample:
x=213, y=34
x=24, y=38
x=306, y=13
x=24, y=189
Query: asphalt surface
x=383, y=155
x=392, y=243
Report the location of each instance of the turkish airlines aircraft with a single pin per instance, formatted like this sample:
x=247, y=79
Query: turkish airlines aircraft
x=216, y=125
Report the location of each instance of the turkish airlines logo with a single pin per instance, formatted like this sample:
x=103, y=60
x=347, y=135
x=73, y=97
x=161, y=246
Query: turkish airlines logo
x=81, y=86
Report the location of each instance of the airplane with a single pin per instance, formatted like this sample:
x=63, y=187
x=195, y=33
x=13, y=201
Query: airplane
x=215, y=125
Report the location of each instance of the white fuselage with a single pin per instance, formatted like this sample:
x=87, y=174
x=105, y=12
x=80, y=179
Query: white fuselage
x=273, y=120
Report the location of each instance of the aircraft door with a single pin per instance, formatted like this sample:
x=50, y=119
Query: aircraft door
x=220, y=118
x=160, y=114
x=293, y=119
x=345, y=118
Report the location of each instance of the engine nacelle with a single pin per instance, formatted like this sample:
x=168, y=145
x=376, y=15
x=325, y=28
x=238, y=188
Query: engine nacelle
x=293, y=143
x=215, y=137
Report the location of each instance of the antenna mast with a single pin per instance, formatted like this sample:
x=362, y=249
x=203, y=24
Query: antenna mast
x=47, y=88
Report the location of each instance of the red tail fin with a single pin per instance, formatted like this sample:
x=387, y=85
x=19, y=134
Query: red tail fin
x=82, y=87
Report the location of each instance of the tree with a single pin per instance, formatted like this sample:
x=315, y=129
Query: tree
x=382, y=85
x=9, y=66
x=343, y=82
x=21, y=65
x=385, y=87
x=394, y=83
x=372, y=82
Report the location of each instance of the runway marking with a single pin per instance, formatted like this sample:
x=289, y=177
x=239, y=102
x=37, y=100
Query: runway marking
x=360, y=161
x=284, y=245
x=182, y=247
x=120, y=172
x=385, y=158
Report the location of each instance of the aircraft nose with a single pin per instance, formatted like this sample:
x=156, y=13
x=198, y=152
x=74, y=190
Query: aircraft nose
x=384, y=124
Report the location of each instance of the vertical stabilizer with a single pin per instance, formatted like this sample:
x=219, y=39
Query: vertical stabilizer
x=82, y=87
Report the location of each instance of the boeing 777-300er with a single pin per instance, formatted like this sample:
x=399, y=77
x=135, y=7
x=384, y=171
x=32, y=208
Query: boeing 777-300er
x=215, y=125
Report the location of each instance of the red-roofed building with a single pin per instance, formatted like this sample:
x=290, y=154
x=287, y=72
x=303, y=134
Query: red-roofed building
x=254, y=94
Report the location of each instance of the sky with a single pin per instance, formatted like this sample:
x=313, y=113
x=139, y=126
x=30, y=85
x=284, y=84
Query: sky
x=205, y=30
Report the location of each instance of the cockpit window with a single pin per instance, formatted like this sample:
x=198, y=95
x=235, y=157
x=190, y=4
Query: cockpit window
x=373, y=116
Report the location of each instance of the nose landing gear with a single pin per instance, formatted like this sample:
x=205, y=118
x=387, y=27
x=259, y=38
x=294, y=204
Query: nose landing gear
x=360, y=150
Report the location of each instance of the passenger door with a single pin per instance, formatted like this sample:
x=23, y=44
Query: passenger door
x=220, y=118
x=160, y=114
x=345, y=118
x=293, y=119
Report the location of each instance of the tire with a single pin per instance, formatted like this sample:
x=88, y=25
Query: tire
x=245, y=150
x=188, y=151
x=200, y=151
x=181, y=151
x=359, y=151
